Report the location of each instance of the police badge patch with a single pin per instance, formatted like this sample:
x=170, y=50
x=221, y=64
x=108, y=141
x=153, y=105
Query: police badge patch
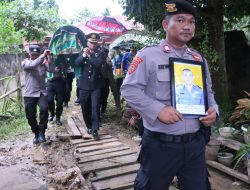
x=133, y=66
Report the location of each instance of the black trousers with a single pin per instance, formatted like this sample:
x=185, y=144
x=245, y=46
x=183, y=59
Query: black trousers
x=56, y=91
x=90, y=104
x=68, y=86
x=104, y=96
x=119, y=82
x=31, y=109
x=161, y=161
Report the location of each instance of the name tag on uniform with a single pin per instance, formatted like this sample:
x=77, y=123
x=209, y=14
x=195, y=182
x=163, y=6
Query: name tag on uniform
x=163, y=66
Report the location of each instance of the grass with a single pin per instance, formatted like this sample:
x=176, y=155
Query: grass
x=15, y=124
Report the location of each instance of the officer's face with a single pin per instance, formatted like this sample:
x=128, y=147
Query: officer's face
x=92, y=45
x=33, y=56
x=188, y=77
x=180, y=28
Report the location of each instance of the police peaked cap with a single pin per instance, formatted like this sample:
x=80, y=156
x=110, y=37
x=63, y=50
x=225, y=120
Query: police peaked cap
x=173, y=7
x=93, y=37
x=34, y=49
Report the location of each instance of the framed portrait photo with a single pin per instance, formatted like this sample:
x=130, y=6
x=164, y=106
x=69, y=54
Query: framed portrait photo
x=188, y=87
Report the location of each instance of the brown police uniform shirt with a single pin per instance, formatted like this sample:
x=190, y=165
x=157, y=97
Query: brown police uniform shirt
x=147, y=87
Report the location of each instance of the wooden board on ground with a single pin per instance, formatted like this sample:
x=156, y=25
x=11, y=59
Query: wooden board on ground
x=98, y=152
x=228, y=171
x=99, y=147
x=105, y=156
x=121, y=182
x=72, y=129
x=82, y=128
x=115, y=172
x=78, y=141
x=107, y=164
x=233, y=144
x=94, y=143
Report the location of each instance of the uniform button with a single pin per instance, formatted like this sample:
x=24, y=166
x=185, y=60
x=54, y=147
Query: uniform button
x=89, y=71
x=89, y=77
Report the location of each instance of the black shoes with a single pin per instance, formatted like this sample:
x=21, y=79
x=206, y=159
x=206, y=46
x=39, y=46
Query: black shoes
x=95, y=135
x=77, y=102
x=41, y=137
x=35, y=140
x=89, y=131
x=58, y=121
x=51, y=117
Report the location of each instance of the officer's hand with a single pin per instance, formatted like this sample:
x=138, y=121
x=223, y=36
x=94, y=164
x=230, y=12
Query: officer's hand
x=210, y=118
x=169, y=115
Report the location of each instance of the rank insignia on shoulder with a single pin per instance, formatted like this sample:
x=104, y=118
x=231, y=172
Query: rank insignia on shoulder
x=167, y=48
x=196, y=57
x=133, y=66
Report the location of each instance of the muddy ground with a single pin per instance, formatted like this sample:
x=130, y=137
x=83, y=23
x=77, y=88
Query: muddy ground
x=24, y=166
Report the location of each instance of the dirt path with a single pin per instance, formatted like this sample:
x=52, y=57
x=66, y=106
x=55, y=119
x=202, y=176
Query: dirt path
x=24, y=166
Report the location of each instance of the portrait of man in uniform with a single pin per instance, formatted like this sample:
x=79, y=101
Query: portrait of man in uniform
x=188, y=92
x=188, y=87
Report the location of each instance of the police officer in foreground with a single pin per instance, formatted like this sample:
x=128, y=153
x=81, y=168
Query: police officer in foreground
x=90, y=83
x=189, y=93
x=171, y=145
x=35, y=68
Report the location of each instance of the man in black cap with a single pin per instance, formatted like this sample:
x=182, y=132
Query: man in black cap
x=35, y=93
x=90, y=83
x=172, y=144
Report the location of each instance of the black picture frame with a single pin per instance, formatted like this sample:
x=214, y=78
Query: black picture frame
x=188, y=87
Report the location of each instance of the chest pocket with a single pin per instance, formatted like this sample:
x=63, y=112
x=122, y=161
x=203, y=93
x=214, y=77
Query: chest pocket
x=163, y=85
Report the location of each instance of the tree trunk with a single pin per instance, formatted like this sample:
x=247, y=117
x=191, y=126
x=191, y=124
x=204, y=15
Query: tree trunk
x=216, y=36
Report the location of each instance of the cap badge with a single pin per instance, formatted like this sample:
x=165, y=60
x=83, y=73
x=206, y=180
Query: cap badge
x=93, y=36
x=170, y=7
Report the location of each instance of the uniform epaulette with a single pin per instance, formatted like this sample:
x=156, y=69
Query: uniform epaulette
x=193, y=50
x=153, y=45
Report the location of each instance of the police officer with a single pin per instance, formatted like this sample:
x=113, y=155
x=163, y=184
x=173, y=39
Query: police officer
x=171, y=145
x=90, y=83
x=35, y=92
x=189, y=93
x=56, y=91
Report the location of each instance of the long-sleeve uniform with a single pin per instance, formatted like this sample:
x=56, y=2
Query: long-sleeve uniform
x=35, y=93
x=164, y=152
x=90, y=83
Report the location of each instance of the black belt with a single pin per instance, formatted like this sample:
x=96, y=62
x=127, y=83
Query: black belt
x=172, y=138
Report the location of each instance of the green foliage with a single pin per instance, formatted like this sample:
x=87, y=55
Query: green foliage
x=240, y=154
x=9, y=36
x=205, y=47
x=82, y=15
x=15, y=124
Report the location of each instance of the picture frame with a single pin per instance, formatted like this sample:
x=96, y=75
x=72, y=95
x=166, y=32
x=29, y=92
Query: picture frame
x=188, y=87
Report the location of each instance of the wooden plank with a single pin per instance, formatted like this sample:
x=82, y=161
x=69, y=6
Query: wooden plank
x=115, y=172
x=82, y=128
x=228, y=171
x=121, y=182
x=98, y=152
x=105, y=156
x=73, y=127
x=233, y=144
x=107, y=164
x=78, y=141
x=94, y=143
x=98, y=147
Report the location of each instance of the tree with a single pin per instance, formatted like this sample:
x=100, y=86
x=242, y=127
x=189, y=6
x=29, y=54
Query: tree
x=212, y=12
x=34, y=22
x=82, y=15
x=106, y=12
